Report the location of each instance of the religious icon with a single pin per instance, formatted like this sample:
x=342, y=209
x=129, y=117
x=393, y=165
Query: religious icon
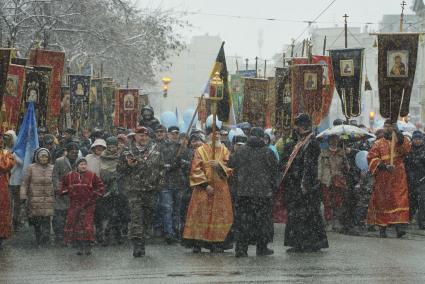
x=93, y=95
x=310, y=81
x=66, y=102
x=80, y=90
x=12, y=85
x=129, y=102
x=397, y=63
x=32, y=92
x=346, y=67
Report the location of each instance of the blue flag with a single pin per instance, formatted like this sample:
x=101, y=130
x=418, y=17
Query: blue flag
x=27, y=141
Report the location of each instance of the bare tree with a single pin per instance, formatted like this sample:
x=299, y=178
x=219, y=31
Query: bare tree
x=128, y=42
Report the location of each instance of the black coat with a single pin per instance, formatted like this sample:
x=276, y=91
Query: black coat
x=256, y=169
x=172, y=164
x=305, y=228
x=415, y=166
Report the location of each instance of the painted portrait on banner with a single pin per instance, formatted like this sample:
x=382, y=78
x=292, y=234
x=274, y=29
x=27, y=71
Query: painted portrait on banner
x=397, y=63
x=129, y=102
x=346, y=67
x=310, y=81
x=31, y=94
x=12, y=85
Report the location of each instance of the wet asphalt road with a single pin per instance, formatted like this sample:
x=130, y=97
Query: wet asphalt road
x=350, y=259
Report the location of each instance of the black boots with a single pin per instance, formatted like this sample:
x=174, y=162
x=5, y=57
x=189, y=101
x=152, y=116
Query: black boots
x=382, y=232
x=138, y=248
x=80, y=248
x=83, y=247
x=263, y=250
x=400, y=231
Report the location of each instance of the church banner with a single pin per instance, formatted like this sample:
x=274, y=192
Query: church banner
x=4, y=66
x=283, y=97
x=56, y=61
x=328, y=79
x=128, y=109
x=306, y=90
x=397, y=55
x=66, y=120
x=236, y=92
x=96, y=118
x=255, y=103
x=347, y=72
x=36, y=90
x=12, y=95
x=108, y=93
x=79, y=86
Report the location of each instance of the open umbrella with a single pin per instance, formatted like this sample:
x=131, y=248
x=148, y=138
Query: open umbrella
x=346, y=132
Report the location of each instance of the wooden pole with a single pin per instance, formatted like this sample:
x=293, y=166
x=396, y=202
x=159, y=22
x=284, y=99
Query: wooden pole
x=345, y=30
x=324, y=46
x=403, y=4
x=214, y=127
x=302, y=50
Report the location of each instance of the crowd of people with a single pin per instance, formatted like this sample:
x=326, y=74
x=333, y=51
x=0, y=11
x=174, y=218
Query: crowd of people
x=210, y=192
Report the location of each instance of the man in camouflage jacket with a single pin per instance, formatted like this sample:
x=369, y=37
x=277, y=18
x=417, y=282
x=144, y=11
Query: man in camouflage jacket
x=142, y=170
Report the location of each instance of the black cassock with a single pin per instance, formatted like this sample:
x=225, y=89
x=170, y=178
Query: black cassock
x=305, y=228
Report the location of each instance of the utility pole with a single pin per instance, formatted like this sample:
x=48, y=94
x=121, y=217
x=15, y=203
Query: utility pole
x=246, y=63
x=345, y=29
x=292, y=48
x=403, y=4
x=256, y=66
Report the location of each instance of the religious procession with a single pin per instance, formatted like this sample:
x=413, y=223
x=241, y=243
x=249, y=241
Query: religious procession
x=88, y=162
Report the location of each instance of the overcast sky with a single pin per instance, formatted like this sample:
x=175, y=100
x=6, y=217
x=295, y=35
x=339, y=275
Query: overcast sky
x=242, y=34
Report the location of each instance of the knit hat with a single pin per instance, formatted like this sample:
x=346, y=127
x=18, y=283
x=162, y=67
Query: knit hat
x=112, y=140
x=72, y=146
x=417, y=135
x=39, y=152
x=257, y=132
x=303, y=120
x=80, y=160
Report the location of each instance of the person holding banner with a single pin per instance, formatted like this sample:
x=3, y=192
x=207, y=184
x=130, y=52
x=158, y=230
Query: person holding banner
x=6, y=164
x=389, y=204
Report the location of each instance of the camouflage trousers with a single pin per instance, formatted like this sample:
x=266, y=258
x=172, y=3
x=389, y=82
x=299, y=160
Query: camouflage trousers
x=142, y=210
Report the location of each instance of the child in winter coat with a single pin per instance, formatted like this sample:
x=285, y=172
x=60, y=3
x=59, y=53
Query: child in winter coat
x=83, y=188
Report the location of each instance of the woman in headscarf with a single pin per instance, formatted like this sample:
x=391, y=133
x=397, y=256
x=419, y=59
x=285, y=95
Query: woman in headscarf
x=6, y=164
x=37, y=190
x=83, y=188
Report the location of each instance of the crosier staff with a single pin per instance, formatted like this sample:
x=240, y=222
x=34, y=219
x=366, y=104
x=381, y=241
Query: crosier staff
x=216, y=95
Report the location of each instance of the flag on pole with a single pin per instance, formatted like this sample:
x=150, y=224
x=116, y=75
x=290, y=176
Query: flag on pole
x=27, y=141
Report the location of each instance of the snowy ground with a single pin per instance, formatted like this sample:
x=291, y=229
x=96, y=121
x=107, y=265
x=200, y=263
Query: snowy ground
x=350, y=259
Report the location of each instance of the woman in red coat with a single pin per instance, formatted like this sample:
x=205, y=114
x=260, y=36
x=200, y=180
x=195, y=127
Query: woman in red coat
x=83, y=188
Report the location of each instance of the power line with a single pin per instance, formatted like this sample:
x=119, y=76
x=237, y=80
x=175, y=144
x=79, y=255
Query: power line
x=270, y=19
x=315, y=19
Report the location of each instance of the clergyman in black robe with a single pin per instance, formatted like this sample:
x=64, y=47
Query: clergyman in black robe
x=305, y=230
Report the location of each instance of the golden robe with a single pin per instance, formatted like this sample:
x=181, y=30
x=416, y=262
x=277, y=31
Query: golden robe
x=209, y=218
x=389, y=203
x=6, y=164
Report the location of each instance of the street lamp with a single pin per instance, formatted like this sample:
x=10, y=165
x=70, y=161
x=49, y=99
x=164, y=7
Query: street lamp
x=165, y=82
